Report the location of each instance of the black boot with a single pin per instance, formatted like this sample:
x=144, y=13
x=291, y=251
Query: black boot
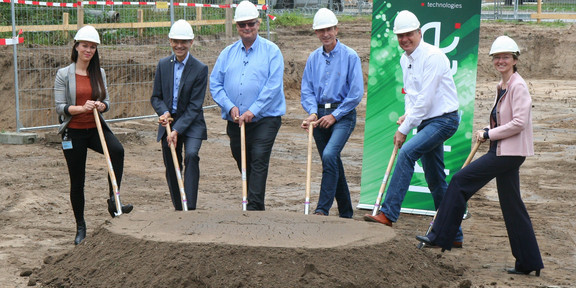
x=80, y=232
x=112, y=207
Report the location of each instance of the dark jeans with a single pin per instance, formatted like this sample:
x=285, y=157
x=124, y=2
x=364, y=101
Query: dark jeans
x=82, y=139
x=191, y=172
x=260, y=137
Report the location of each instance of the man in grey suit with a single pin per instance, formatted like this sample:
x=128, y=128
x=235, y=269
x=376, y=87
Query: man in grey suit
x=178, y=95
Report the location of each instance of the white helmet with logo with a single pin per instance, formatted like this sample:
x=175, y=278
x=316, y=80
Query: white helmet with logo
x=405, y=22
x=245, y=11
x=324, y=18
x=504, y=44
x=181, y=30
x=87, y=33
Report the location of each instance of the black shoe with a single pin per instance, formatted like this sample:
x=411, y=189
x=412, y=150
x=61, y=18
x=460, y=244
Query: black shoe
x=80, y=233
x=112, y=207
x=426, y=241
x=523, y=272
x=127, y=208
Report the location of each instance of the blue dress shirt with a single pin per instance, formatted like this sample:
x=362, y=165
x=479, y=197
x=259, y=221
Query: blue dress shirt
x=250, y=79
x=178, y=69
x=334, y=77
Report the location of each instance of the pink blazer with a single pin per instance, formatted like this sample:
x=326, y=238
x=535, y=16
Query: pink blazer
x=514, y=114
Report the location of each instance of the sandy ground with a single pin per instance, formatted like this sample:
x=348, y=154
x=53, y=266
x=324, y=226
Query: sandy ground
x=157, y=247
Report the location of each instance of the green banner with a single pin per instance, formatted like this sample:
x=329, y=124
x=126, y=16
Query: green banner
x=453, y=26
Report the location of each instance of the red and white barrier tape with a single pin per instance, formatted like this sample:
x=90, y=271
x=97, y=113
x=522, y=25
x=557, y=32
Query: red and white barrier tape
x=40, y=3
x=119, y=3
x=11, y=41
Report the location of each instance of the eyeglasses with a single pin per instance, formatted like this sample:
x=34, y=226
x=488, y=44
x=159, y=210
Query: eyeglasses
x=250, y=24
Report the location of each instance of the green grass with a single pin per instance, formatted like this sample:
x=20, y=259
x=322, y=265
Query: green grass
x=552, y=24
x=293, y=19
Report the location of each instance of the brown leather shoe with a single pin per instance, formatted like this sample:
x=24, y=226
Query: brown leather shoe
x=380, y=218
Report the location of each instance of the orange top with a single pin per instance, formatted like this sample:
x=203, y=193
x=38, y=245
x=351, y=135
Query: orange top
x=83, y=94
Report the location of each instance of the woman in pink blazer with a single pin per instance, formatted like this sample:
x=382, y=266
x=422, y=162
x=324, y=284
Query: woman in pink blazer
x=510, y=135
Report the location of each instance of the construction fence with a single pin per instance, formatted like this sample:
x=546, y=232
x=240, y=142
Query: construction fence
x=529, y=10
x=133, y=36
x=39, y=36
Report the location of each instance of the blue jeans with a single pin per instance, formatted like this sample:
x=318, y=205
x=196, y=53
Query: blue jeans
x=428, y=146
x=330, y=143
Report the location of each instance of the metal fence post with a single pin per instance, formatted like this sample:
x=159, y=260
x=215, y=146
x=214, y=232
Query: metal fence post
x=15, y=54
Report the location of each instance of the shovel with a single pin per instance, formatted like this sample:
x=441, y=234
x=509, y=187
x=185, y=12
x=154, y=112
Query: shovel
x=468, y=160
x=243, y=156
x=177, y=170
x=308, y=168
x=110, y=169
x=384, y=181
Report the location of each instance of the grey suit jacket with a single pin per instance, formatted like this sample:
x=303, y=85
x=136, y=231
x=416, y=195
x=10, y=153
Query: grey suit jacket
x=189, y=119
x=65, y=95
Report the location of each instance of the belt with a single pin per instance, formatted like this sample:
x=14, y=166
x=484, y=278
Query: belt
x=445, y=114
x=329, y=105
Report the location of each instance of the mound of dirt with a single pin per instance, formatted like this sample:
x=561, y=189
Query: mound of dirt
x=110, y=259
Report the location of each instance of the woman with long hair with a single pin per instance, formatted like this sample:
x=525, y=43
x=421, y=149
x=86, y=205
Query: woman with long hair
x=80, y=88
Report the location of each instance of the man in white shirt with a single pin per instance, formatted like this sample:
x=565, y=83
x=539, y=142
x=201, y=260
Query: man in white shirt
x=431, y=106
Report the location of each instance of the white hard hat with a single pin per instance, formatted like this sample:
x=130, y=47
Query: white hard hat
x=324, y=18
x=245, y=11
x=504, y=44
x=181, y=30
x=405, y=22
x=87, y=33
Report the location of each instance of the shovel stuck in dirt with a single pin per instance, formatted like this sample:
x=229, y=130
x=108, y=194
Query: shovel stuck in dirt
x=308, y=168
x=243, y=156
x=177, y=169
x=109, y=164
x=384, y=181
x=243, y=164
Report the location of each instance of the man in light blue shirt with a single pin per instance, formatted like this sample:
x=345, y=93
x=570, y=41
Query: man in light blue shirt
x=247, y=83
x=332, y=87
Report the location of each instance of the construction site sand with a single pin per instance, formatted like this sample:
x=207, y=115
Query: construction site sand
x=250, y=228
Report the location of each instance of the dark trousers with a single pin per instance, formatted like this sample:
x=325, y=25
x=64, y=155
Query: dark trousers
x=466, y=183
x=260, y=137
x=191, y=170
x=82, y=139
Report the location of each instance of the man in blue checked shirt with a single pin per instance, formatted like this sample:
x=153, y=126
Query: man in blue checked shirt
x=247, y=83
x=332, y=87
